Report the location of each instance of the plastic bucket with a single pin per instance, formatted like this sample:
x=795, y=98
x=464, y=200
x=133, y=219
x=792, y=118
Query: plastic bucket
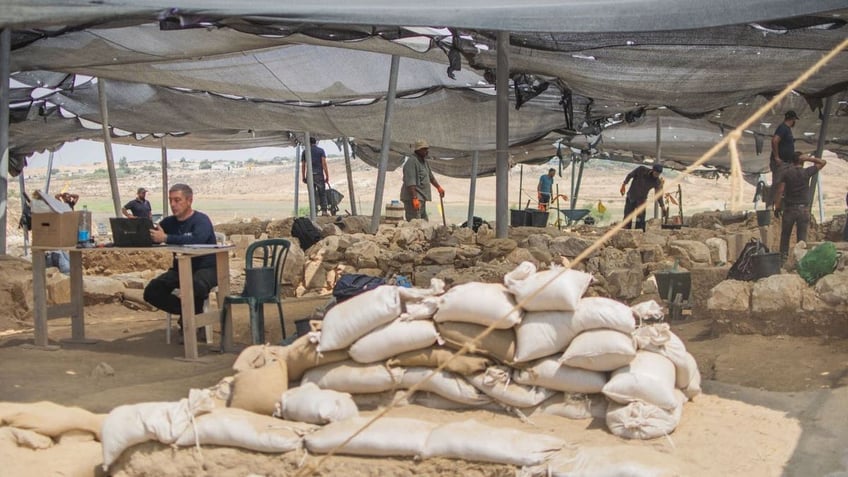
x=518, y=218
x=536, y=218
x=766, y=264
x=763, y=217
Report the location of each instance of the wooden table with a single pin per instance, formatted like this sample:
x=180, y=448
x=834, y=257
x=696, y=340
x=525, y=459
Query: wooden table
x=74, y=308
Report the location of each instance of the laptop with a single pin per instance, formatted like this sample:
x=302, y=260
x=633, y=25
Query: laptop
x=128, y=232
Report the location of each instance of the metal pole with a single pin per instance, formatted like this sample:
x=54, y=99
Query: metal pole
x=573, y=200
x=296, y=179
x=5, y=53
x=49, y=173
x=22, y=186
x=472, y=189
x=107, y=144
x=384, y=146
x=310, y=183
x=165, y=203
x=350, y=187
x=816, y=184
x=583, y=157
x=520, y=183
x=502, y=137
x=659, y=156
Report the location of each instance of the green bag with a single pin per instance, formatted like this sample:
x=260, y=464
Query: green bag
x=818, y=262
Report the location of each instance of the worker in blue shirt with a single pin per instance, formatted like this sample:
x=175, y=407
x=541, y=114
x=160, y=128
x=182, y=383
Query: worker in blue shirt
x=545, y=189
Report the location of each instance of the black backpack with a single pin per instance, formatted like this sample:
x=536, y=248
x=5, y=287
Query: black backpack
x=352, y=284
x=305, y=232
x=743, y=268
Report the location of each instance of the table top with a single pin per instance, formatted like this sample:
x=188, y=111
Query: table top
x=179, y=249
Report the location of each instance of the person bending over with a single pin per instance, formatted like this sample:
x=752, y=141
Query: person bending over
x=790, y=199
x=644, y=179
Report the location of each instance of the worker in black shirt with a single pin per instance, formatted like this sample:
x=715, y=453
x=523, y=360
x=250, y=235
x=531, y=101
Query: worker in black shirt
x=644, y=179
x=790, y=199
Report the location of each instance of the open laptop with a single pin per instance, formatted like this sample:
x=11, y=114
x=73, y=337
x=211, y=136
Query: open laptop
x=131, y=232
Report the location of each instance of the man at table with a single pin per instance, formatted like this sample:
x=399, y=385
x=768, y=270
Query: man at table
x=185, y=226
x=138, y=207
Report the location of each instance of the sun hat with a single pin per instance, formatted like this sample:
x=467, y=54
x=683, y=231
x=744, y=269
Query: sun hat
x=421, y=144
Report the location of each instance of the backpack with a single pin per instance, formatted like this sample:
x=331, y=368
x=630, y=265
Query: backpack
x=743, y=268
x=305, y=232
x=818, y=262
x=352, y=284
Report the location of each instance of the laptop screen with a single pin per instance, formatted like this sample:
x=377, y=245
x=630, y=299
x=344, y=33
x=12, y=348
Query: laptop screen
x=131, y=232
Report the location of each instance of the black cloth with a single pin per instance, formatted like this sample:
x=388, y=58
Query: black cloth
x=159, y=292
x=318, y=155
x=139, y=208
x=796, y=180
x=786, y=146
x=320, y=190
x=197, y=229
x=643, y=181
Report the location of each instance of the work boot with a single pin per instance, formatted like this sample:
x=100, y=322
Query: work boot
x=200, y=333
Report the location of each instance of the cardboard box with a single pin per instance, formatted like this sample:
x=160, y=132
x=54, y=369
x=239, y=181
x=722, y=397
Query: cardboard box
x=55, y=230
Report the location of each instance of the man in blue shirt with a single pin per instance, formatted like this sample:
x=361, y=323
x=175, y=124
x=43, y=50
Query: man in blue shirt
x=545, y=189
x=782, y=150
x=320, y=173
x=185, y=226
x=138, y=207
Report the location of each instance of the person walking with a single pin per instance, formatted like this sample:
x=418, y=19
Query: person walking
x=644, y=179
x=790, y=199
x=544, y=190
x=417, y=178
x=138, y=207
x=320, y=173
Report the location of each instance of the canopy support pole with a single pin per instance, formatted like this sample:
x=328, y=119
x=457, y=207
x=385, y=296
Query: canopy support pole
x=502, y=137
x=573, y=200
x=5, y=71
x=350, y=187
x=165, y=203
x=384, y=146
x=583, y=156
x=520, y=183
x=659, y=156
x=296, y=179
x=815, y=181
x=22, y=186
x=49, y=173
x=472, y=189
x=310, y=183
x=107, y=144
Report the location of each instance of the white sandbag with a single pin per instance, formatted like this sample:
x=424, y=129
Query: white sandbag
x=25, y=438
x=445, y=384
x=386, y=437
x=233, y=427
x=434, y=401
x=575, y=406
x=649, y=378
x=414, y=294
x=309, y=403
x=257, y=356
x=690, y=375
x=393, y=339
x=641, y=420
x=558, y=288
x=50, y=419
x=128, y=425
x=353, y=318
x=420, y=310
x=647, y=311
x=599, y=350
x=543, y=333
x=476, y=442
x=549, y=373
x=659, y=338
x=496, y=382
x=354, y=378
x=479, y=303
x=598, y=312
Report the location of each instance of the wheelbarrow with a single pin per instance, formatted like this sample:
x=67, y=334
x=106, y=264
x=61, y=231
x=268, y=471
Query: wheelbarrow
x=675, y=287
x=574, y=215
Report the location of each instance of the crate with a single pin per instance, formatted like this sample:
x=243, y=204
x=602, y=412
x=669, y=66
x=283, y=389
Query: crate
x=55, y=230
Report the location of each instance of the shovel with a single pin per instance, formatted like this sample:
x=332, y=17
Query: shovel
x=442, y=202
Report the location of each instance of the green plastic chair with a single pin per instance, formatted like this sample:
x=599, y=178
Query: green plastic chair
x=263, y=265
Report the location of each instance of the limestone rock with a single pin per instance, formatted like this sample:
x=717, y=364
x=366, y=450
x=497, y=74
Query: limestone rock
x=703, y=280
x=464, y=235
x=58, y=288
x=655, y=237
x=625, y=283
x=423, y=273
x=99, y=289
x=363, y=254
x=497, y=248
x=626, y=239
x=718, y=250
x=314, y=275
x=730, y=295
x=541, y=241
x=519, y=255
x=570, y=246
x=440, y=255
x=691, y=253
x=651, y=253
x=541, y=255
x=833, y=288
x=293, y=268
x=780, y=292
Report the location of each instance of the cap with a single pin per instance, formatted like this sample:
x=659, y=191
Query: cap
x=421, y=144
x=313, y=140
x=657, y=168
x=140, y=190
x=790, y=115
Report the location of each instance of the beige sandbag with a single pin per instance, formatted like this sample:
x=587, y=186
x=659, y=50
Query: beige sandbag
x=386, y=437
x=648, y=378
x=575, y=406
x=599, y=350
x=353, y=318
x=543, y=333
x=496, y=382
x=690, y=375
x=641, y=420
x=434, y=401
x=476, y=442
x=49, y=419
x=309, y=403
x=126, y=426
x=499, y=344
x=435, y=356
x=303, y=354
x=445, y=384
x=549, y=373
x=421, y=310
x=481, y=304
x=554, y=289
x=392, y=339
x=598, y=312
x=257, y=356
x=659, y=338
x=233, y=427
x=258, y=390
x=26, y=438
x=352, y=377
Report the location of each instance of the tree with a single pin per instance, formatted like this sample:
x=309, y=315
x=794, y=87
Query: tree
x=123, y=164
x=205, y=164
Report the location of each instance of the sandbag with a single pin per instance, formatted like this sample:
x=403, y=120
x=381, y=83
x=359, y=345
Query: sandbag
x=354, y=378
x=647, y=311
x=479, y=303
x=392, y=339
x=50, y=419
x=434, y=401
x=421, y=310
x=649, y=378
x=303, y=354
x=640, y=420
x=543, y=333
x=575, y=406
x=258, y=390
x=386, y=437
x=436, y=356
x=496, y=382
x=348, y=321
x=233, y=427
x=549, y=373
x=445, y=384
x=599, y=350
x=309, y=403
x=499, y=344
x=476, y=442
x=688, y=378
x=658, y=338
x=257, y=356
x=414, y=294
x=25, y=438
x=561, y=288
x=598, y=312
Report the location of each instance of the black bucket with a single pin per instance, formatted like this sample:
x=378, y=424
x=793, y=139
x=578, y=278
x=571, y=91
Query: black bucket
x=763, y=217
x=302, y=326
x=766, y=264
x=518, y=218
x=536, y=218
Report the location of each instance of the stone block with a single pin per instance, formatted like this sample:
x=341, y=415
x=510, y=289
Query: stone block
x=626, y=239
x=703, y=280
x=423, y=273
x=690, y=253
x=731, y=296
x=570, y=246
x=625, y=283
x=651, y=253
x=833, y=288
x=780, y=292
x=718, y=250
x=97, y=289
x=440, y=255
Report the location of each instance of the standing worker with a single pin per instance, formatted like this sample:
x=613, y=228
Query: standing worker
x=320, y=173
x=782, y=150
x=790, y=199
x=417, y=178
x=644, y=179
x=545, y=189
x=138, y=207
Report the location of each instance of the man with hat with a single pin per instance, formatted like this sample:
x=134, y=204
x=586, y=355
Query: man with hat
x=138, y=207
x=782, y=150
x=417, y=178
x=644, y=179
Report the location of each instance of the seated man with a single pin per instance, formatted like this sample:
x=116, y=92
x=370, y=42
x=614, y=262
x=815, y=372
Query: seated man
x=186, y=226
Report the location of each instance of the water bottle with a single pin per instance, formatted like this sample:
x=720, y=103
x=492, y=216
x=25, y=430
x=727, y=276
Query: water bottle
x=84, y=230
